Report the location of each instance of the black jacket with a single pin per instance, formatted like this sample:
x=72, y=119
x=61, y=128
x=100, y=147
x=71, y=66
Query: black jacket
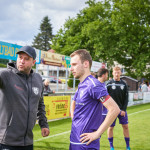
x=21, y=103
x=118, y=90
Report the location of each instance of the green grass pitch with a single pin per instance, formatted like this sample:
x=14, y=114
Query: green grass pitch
x=139, y=127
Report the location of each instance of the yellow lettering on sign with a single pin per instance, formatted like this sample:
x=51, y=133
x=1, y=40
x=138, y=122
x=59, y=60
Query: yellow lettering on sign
x=57, y=106
x=16, y=50
x=6, y=49
x=9, y=51
x=2, y=49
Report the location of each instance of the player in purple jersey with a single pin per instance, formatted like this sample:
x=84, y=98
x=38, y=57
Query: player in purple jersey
x=102, y=77
x=118, y=90
x=86, y=108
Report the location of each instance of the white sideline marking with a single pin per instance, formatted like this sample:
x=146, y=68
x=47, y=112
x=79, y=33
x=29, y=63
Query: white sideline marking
x=52, y=136
x=138, y=112
x=69, y=130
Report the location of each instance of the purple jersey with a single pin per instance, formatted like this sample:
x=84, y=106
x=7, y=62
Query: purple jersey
x=88, y=110
x=105, y=111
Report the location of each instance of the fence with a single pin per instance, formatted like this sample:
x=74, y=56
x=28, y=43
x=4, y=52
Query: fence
x=58, y=105
x=138, y=98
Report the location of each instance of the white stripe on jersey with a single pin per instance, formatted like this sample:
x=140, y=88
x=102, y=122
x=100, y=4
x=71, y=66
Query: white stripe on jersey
x=115, y=84
x=92, y=81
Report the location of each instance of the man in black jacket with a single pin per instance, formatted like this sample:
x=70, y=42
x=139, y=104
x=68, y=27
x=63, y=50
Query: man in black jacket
x=118, y=90
x=21, y=102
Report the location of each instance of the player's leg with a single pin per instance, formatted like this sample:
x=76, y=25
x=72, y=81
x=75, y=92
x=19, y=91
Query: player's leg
x=126, y=135
x=125, y=130
x=110, y=135
x=124, y=121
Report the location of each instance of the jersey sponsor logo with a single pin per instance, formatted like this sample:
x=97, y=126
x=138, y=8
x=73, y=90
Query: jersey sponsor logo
x=35, y=90
x=80, y=104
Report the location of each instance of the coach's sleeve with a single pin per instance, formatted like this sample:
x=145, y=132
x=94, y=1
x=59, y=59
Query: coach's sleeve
x=41, y=115
x=1, y=79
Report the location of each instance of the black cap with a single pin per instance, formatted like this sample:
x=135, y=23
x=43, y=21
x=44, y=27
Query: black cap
x=28, y=50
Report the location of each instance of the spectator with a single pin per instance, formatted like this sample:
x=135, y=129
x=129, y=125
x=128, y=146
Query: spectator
x=148, y=86
x=144, y=87
x=47, y=89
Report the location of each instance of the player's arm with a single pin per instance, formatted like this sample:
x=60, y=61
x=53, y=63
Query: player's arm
x=113, y=111
x=73, y=104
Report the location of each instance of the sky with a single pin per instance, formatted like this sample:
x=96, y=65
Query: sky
x=20, y=19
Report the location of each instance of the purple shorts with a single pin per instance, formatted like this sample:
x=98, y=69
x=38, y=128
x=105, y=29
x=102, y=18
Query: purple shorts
x=122, y=120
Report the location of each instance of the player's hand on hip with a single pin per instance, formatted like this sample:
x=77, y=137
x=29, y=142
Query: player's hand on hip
x=123, y=113
x=45, y=132
x=88, y=137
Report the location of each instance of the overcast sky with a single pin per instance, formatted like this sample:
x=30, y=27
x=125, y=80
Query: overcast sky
x=20, y=19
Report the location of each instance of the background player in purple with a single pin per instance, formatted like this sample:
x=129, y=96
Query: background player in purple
x=102, y=77
x=86, y=108
x=118, y=90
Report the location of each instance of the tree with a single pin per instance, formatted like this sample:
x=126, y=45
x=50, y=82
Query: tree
x=70, y=82
x=43, y=39
x=131, y=23
x=113, y=30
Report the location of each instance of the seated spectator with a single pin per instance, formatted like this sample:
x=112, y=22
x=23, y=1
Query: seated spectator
x=47, y=89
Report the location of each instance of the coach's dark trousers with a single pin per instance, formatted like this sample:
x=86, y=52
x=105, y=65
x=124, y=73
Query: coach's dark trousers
x=6, y=147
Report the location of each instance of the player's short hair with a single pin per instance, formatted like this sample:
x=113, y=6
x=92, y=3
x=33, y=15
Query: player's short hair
x=116, y=68
x=102, y=71
x=93, y=73
x=84, y=56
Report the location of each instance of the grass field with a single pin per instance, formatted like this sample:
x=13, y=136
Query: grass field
x=139, y=126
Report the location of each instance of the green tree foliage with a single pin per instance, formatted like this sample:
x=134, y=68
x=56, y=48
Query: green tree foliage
x=70, y=81
x=4, y=61
x=43, y=39
x=112, y=30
